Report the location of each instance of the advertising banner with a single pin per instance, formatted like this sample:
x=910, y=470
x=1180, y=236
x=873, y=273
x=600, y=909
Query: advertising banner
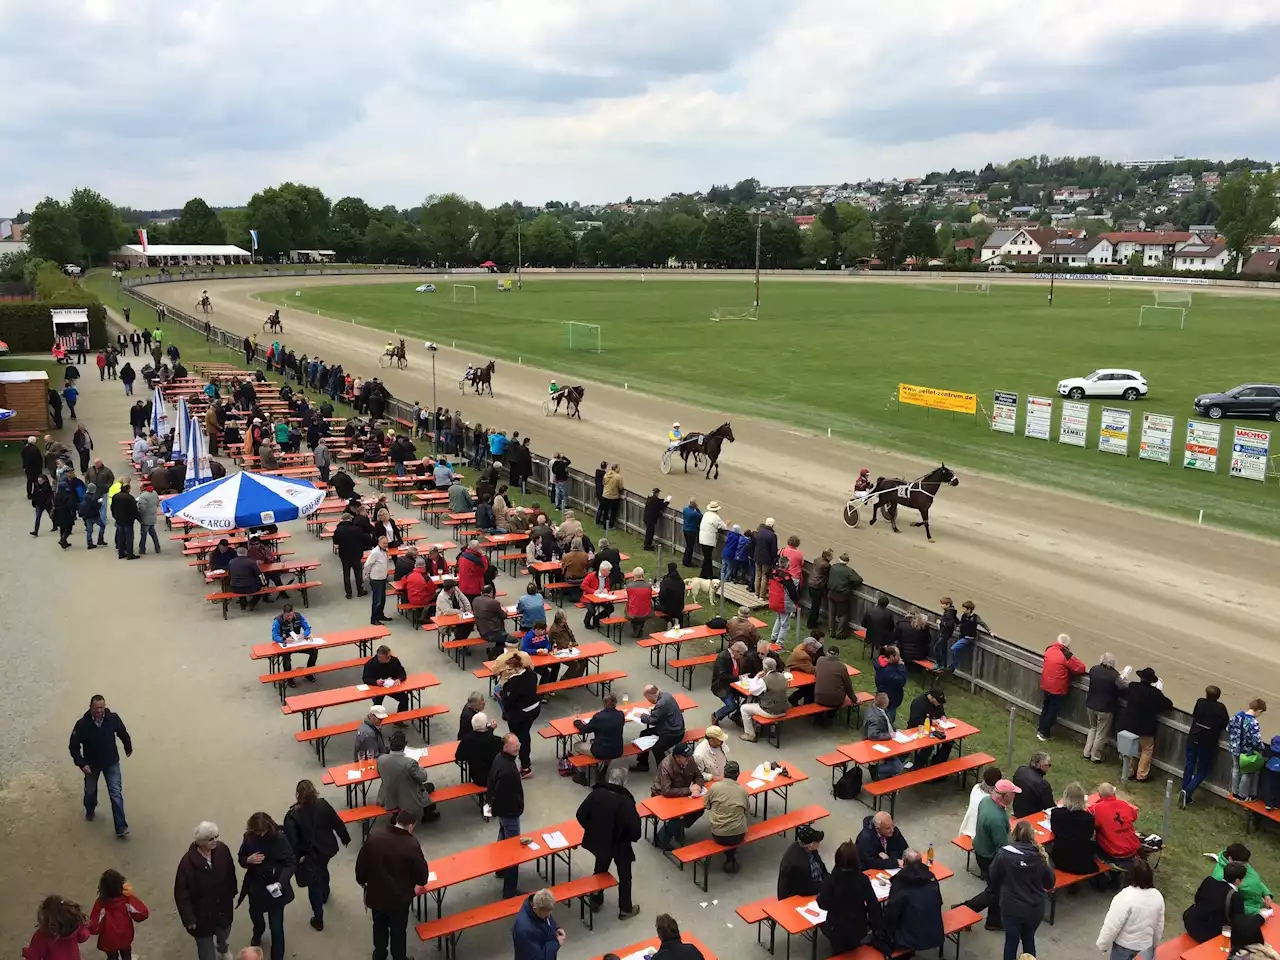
x=1004, y=415
x=1113, y=433
x=1249, y=454
x=1039, y=417
x=1156, y=442
x=938, y=399
x=1073, y=428
x=1201, y=449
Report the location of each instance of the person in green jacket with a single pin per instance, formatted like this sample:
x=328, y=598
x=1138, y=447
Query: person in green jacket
x=991, y=834
x=1257, y=896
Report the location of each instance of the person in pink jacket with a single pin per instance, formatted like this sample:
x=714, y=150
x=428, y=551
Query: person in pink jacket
x=1060, y=665
x=60, y=929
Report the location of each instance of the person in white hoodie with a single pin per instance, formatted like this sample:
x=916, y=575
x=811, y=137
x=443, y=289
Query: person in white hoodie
x=708, y=531
x=1134, y=925
x=990, y=777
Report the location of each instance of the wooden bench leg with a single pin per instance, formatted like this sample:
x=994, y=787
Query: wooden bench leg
x=305, y=601
x=225, y=605
x=706, y=873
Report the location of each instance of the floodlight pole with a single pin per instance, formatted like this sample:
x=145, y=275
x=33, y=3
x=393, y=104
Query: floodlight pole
x=519, y=258
x=758, y=225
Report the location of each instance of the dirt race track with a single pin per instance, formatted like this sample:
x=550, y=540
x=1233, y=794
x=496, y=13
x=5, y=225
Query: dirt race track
x=1193, y=602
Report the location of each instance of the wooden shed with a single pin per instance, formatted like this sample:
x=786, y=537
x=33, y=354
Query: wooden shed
x=26, y=393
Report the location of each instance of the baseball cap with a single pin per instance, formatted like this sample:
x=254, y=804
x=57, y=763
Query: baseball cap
x=683, y=750
x=1005, y=786
x=715, y=733
x=808, y=834
x=379, y=711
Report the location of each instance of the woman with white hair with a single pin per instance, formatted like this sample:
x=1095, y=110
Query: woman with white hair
x=204, y=891
x=772, y=701
x=597, y=581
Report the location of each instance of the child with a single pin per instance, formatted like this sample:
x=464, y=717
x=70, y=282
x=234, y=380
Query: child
x=968, y=629
x=60, y=929
x=947, y=624
x=113, y=915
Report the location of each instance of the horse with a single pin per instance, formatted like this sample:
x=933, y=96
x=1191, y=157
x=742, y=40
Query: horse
x=482, y=377
x=917, y=495
x=707, y=445
x=572, y=396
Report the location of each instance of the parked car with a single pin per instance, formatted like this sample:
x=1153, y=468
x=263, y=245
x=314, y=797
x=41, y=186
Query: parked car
x=425, y=288
x=999, y=268
x=1126, y=384
x=71, y=270
x=1246, y=400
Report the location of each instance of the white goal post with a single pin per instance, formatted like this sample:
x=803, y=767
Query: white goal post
x=582, y=336
x=467, y=291
x=963, y=286
x=1172, y=298
x=733, y=313
x=1151, y=315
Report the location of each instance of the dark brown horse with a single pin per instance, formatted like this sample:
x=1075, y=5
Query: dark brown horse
x=917, y=495
x=482, y=378
x=572, y=398
x=706, y=445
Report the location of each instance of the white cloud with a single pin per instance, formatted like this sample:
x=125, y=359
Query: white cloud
x=153, y=102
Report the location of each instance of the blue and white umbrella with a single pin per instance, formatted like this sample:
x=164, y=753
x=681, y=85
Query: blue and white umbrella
x=159, y=413
x=198, y=470
x=181, y=434
x=244, y=500
x=5, y=414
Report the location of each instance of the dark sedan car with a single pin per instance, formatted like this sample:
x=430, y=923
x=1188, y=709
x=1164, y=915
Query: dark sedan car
x=1246, y=400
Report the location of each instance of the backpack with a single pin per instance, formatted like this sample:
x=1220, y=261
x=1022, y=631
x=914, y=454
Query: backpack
x=849, y=785
x=564, y=767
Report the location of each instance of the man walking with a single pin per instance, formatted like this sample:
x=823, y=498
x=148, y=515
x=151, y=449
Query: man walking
x=506, y=797
x=124, y=510
x=351, y=542
x=32, y=463
x=610, y=826
x=389, y=867
x=377, y=567
x=93, y=749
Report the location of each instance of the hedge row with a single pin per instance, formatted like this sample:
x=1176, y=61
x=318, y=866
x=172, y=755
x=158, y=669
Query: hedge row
x=27, y=327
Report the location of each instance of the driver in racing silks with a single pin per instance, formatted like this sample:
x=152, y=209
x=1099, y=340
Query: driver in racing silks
x=389, y=349
x=554, y=390
x=863, y=483
x=469, y=374
x=674, y=436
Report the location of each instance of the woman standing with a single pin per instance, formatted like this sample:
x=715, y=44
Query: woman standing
x=1134, y=924
x=269, y=864
x=1022, y=873
x=313, y=829
x=204, y=891
x=520, y=708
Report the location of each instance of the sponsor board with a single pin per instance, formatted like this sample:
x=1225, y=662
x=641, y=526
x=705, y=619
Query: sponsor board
x=1200, y=452
x=1004, y=413
x=1073, y=427
x=1156, y=441
x=1249, y=452
x=938, y=399
x=1113, y=431
x=1039, y=417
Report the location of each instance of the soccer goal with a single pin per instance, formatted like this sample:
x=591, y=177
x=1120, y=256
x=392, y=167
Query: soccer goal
x=978, y=287
x=1173, y=298
x=464, y=293
x=1150, y=315
x=582, y=336
x=733, y=313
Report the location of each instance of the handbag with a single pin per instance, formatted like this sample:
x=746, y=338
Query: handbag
x=1250, y=762
x=304, y=873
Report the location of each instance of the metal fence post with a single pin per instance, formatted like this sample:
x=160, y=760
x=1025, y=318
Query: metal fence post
x=1168, y=810
x=1013, y=719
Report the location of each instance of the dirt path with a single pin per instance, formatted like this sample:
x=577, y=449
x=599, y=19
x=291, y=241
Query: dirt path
x=1189, y=601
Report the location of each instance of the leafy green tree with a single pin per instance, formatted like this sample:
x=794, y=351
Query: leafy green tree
x=54, y=233
x=820, y=246
x=857, y=233
x=198, y=224
x=547, y=243
x=100, y=226
x=781, y=244
x=712, y=246
x=450, y=223
x=1247, y=204
x=893, y=222
x=739, y=238
x=292, y=216
x=745, y=191
x=235, y=227
x=920, y=239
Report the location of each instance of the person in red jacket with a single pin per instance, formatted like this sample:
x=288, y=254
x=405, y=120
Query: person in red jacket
x=472, y=566
x=1055, y=680
x=113, y=915
x=639, y=600
x=420, y=590
x=1113, y=820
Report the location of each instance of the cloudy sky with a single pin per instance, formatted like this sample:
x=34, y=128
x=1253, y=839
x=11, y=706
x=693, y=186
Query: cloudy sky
x=155, y=101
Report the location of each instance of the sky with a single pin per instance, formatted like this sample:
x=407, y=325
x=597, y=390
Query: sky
x=152, y=102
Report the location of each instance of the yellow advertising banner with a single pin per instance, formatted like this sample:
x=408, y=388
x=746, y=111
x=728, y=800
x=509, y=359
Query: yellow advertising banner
x=938, y=399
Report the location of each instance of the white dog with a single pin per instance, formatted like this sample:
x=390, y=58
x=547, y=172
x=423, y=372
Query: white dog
x=696, y=585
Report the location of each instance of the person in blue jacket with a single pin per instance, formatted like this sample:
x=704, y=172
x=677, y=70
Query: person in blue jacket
x=535, y=935
x=690, y=521
x=745, y=557
x=290, y=625
x=497, y=445
x=729, y=554
x=535, y=643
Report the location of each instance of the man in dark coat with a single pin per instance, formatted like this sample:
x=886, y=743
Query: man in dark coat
x=124, y=510
x=351, y=542
x=913, y=912
x=766, y=555
x=879, y=623
x=204, y=891
x=610, y=826
x=506, y=798
x=93, y=749
x=1144, y=703
x=802, y=871
x=652, y=514
x=880, y=844
x=1033, y=781
x=32, y=463
x=390, y=866
x=605, y=729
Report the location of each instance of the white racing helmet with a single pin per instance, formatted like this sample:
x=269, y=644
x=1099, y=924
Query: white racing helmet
x=676, y=425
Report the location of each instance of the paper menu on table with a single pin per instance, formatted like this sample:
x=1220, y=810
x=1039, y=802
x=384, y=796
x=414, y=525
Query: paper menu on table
x=304, y=642
x=571, y=652
x=644, y=743
x=1044, y=824
x=555, y=841
x=765, y=772
x=812, y=912
x=901, y=737
x=637, y=714
x=415, y=753
x=431, y=877
x=944, y=724
x=879, y=748
x=353, y=774
x=754, y=784
x=644, y=954
x=362, y=687
x=880, y=884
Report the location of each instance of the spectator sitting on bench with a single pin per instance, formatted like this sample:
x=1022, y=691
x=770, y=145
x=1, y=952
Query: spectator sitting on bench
x=771, y=702
x=343, y=484
x=597, y=581
x=569, y=529
x=419, y=590
x=451, y=601
x=576, y=564
x=891, y=678
x=981, y=790
x=1216, y=904
x=664, y=720
x=264, y=551
x=293, y=626
x=245, y=577
x=639, y=600
x=880, y=843
x=1073, y=829
x=877, y=725
x=832, y=685
x=605, y=730
x=222, y=556
x=931, y=704
x=740, y=629
x=403, y=565
x=913, y=910
x=853, y=911
x=370, y=743
x=726, y=807
x=671, y=597
x=802, y=660
x=678, y=776
x=802, y=872
x=1113, y=818
x=531, y=608
x=385, y=670
x=561, y=636
x=712, y=754
x=1257, y=896
x=1037, y=794
x=535, y=643
x=404, y=784
x=478, y=748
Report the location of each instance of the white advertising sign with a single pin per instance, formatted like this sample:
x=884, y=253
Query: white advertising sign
x=1004, y=414
x=1113, y=432
x=1201, y=449
x=1156, y=442
x=1039, y=416
x=1074, y=425
x=1249, y=453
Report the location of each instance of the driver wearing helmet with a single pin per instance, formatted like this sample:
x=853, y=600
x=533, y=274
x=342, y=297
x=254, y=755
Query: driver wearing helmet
x=674, y=436
x=390, y=349
x=470, y=373
x=863, y=483
x=553, y=389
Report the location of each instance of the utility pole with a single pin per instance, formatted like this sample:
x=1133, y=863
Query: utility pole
x=519, y=258
x=758, y=226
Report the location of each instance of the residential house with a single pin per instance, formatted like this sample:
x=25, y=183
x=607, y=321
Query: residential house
x=1264, y=261
x=1022, y=244
x=1078, y=251
x=1210, y=178
x=1204, y=229
x=1072, y=195
x=1156, y=247
x=804, y=222
x=1201, y=256
x=1181, y=185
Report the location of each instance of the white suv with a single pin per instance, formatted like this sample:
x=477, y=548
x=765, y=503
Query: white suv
x=1126, y=384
